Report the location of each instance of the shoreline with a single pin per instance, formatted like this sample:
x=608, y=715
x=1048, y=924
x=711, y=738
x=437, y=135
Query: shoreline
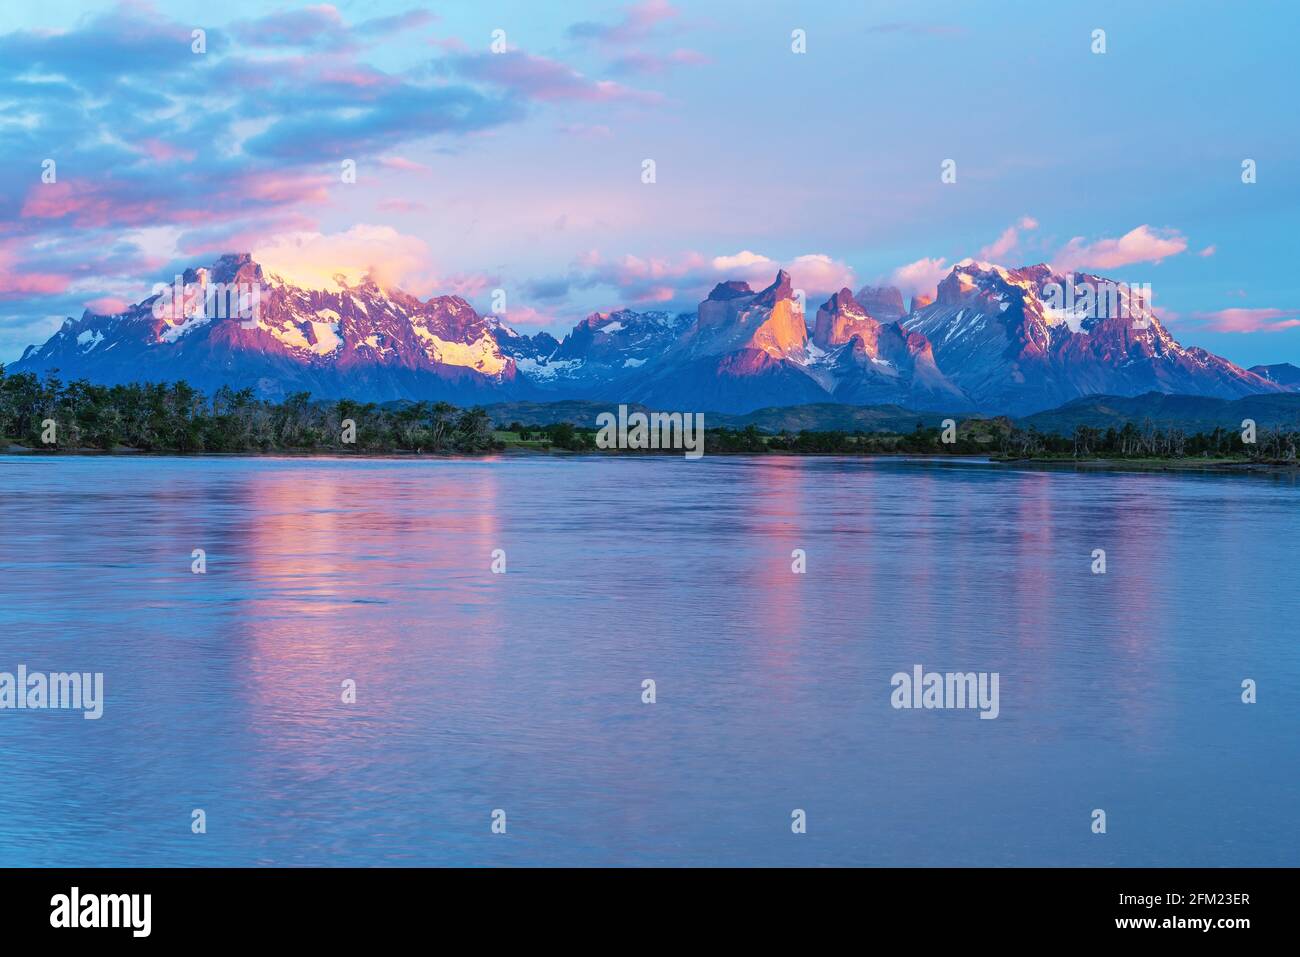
x=1152, y=465
x=512, y=451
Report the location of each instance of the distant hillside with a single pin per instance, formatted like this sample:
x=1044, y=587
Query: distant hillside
x=575, y=411
x=1189, y=412
x=830, y=416
x=1283, y=373
x=819, y=417
x=1192, y=413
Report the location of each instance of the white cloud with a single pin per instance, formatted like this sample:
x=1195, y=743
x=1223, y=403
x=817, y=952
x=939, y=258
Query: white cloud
x=1139, y=245
x=921, y=276
x=687, y=278
x=313, y=260
x=815, y=273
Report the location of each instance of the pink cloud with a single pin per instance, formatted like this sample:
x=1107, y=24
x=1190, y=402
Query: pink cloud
x=89, y=205
x=161, y=152
x=17, y=280
x=815, y=273
x=1139, y=245
x=639, y=21
x=14, y=285
x=110, y=204
x=528, y=316
x=402, y=206
x=540, y=78
x=107, y=306
x=1008, y=241
x=688, y=277
x=1207, y=252
x=285, y=189
x=357, y=76
x=449, y=44
x=1250, y=320
x=313, y=260
x=465, y=285
x=402, y=163
x=632, y=272
x=394, y=260
x=921, y=276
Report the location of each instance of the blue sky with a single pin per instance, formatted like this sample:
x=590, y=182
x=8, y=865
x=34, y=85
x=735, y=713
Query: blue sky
x=522, y=170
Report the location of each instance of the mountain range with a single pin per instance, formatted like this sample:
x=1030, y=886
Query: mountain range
x=990, y=340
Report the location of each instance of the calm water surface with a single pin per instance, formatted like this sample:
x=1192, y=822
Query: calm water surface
x=522, y=691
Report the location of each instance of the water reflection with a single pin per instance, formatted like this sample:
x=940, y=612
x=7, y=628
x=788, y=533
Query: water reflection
x=523, y=690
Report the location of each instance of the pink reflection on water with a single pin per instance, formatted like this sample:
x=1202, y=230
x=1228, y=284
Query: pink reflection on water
x=778, y=502
x=363, y=576
x=1032, y=589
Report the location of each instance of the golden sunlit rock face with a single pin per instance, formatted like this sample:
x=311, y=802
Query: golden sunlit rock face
x=841, y=318
x=784, y=332
x=734, y=317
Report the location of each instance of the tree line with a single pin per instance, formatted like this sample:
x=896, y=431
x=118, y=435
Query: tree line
x=1131, y=441
x=176, y=417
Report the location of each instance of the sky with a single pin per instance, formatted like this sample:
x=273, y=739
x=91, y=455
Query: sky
x=504, y=146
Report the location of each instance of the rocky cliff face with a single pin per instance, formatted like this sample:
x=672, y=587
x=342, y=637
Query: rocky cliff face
x=884, y=303
x=1004, y=337
x=354, y=341
x=841, y=318
x=744, y=348
x=871, y=362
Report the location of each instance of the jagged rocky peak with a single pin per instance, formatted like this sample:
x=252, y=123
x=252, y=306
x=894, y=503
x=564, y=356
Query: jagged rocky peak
x=731, y=289
x=288, y=333
x=913, y=344
x=779, y=290
x=1038, y=273
x=958, y=285
x=784, y=333
x=920, y=301
x=237, y=267
x=986, y=284
x=882, y=303
x=725, y=303
x=895, y=345
x=624, y=321
x=230, y=268
x=840, y=318
x=736, y=317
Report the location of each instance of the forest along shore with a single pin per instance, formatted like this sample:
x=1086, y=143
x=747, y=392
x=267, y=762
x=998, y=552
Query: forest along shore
x=46, y=416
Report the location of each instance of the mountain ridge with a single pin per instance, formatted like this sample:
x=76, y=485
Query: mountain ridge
x=991, y=340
